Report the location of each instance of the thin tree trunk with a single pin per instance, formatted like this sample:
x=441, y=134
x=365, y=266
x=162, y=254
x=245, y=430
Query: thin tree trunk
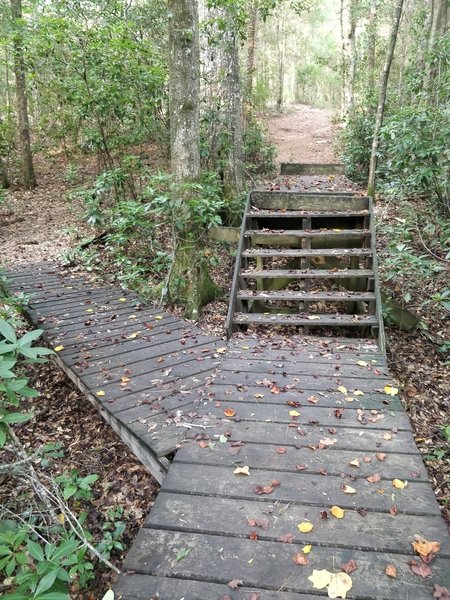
x=251, y=44
x=281, y=52
x=372, y=44
x=348, y=59
x=29, y=179
x=439, y=16
x=382, y=97
x=4, y=182
x=189, y=283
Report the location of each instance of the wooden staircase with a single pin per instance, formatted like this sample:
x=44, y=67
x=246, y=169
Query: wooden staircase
x=308, y=260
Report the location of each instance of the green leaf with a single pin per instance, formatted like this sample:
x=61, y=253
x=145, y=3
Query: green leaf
x=46, y=582
x=54, y=596
x=30, y=337
x=2, y=435
x=66, y=548
x=182, y=553
x=7, y=331
x=15, y=417
x=35, y=550
x=69, y=491
x=6, y=347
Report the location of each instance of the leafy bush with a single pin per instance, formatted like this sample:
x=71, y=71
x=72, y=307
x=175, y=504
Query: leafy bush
x=259, y=153
x=356, y=141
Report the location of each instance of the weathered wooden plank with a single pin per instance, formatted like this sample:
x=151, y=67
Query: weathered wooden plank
x=305, y=253
x=305, y=273
x=381, y=418
x=225, y=516
x=325, y=383
x=270, y=565
x=302, y=489
x=323, y=320
x=307, y=201
x=301, y=296
x=333, y=461
x=305, y=367
x=133, y=586
x=349, y=215
x=298, y=343
x=366, y=440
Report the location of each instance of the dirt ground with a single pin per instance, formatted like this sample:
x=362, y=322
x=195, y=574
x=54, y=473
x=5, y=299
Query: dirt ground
x=304, y=134
x=43, y=224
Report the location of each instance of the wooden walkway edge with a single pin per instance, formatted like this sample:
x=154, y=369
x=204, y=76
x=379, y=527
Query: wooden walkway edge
x=270, y=434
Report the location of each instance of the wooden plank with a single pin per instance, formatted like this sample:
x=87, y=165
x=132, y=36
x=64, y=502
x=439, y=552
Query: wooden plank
x=134, y=586
x=306, y=253
x=224, y=234
x=324, y=320
x=297, y=343
x=311, y=169
x=269, y=564
x=296, y=214
x=305, y=367
x=305, y=273
x=302, y=296
x=325, y=417
x=309, y=436
x=308, y=201
x=303, y=233
x=374, y=531
x=301, y=489
x=333, y=461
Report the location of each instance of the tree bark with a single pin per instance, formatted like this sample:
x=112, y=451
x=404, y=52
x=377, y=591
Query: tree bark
x=439, y=18
x=348, y=27
x=251, y=44
x=189, y=283
x=281, y=52
x=382, y=97
x=4, y=182
x=372, y=44
x=29, y=179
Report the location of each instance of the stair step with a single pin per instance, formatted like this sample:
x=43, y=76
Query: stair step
x=306, y=296
x=255, y=212
x=303, y=320
x=305, y=273
x=307, y=201
x=293, y=252
x=307, y=233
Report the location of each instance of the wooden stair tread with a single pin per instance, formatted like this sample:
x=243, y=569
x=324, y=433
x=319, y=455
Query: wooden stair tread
x=303, y=320
x=293, y=252
x=307, y=233
x=306, y=296
x=257, y=212
x=305, y=273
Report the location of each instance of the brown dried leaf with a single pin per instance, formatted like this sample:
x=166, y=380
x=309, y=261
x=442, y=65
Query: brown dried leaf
x=235, y=583
x=287, y=538
x=391, y=571
x=420, y=569
x=374, y=478
x=300, y=559
x=440, y=592
x=349, y=566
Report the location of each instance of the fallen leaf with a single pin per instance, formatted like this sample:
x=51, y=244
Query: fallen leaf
x=242, y=471
x=235, y=583
x=100, y=393
x=391, y=570
x=337, y=584
x=58, y=348
x=358, y=393
x=300, y=559
x=349, y=566
x=253, y=535
x=374, y=478
x=287, y=538
x=280, y=450
x=229, y=412
x=182, y=554
x=258, y=396
x=159, y=317
x=313, y=317
x=387, y=436
x=348, y=489
x=109, y=595
x=337, y=512
x=440, y=592
x=380, y=455
x=305, y=527
x=306, y=549
x=313, y=399
x=420, y=569
x=263, y=523
x=342, y=389
x=320, y=579
x=124, y=380
x=424, y=548
x=328, y=441
x=294, y=413
x=399, y=484
x=221, y=350
x=361, y=363
x=355, y=463
x=275, y=389
x=266, y=489
x=390, y=390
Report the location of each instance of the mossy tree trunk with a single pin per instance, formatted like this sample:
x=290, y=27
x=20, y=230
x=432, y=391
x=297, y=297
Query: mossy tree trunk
x=189, y=283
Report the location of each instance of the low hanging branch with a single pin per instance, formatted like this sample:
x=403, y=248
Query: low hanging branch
x=382, y=98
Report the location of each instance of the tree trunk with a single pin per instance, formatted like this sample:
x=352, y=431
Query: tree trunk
x=371, y=45
x=251, y=44
x=348, y=66
x=4, y=182
x=439, y=16
x=29, y=179
x=281, y=52
x=189, y=283
x=382, y=97
x=233, y=181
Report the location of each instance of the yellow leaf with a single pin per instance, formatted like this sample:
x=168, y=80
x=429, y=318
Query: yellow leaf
x=122, y=299
x=362, y=363
x=132, y=317
x=242, y=471
x=100, y=393
x=306, y=549
x=245, y=347
x=159, y=317
x=320, y=579
x=358, y=393
x=89, y=310
x=391, y=391
x=305, y=527
x=424, y=548
x=355, y=463
x=342, y=389
x=339, y=585
x=337, y=512
x=313, y=317
x=124, y=380
x=348, y=489
x=349, y=399
x=221, y=350
x=294, y=413
x=399, y=484
x=58, y=348
x=61, y=517
x=133, y=335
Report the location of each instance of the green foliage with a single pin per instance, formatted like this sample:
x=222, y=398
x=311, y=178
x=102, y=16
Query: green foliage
x=259, y=153
x=74, y=486
x=356, y=140
x=113, y=530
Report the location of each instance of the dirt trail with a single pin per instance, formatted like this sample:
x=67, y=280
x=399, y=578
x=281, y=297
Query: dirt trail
x=304, y=134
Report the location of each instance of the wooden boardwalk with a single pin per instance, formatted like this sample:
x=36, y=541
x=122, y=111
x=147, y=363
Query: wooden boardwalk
x=308, y=419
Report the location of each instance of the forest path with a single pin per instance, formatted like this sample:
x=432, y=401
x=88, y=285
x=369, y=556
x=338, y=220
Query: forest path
x=304, y=134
